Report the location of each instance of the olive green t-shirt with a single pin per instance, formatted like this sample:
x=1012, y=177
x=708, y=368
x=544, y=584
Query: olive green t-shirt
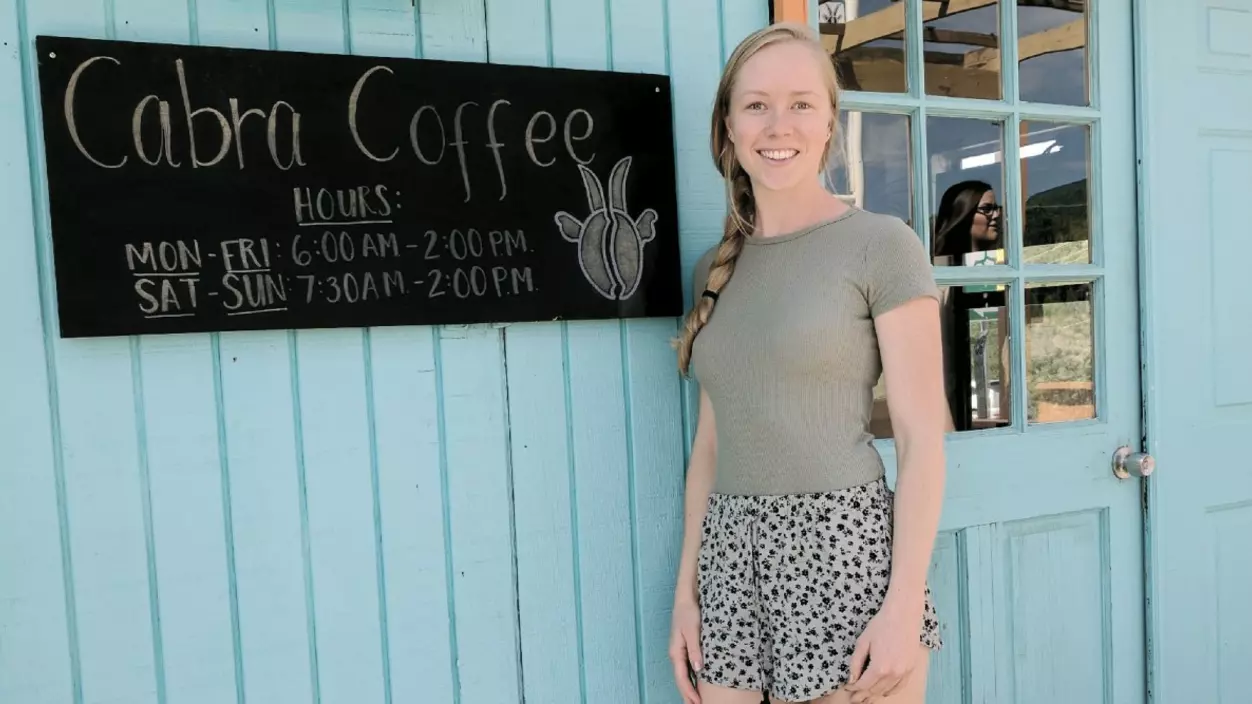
x=790, y=357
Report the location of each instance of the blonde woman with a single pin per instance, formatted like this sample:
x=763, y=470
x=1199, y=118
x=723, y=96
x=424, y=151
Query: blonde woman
x=802, y=575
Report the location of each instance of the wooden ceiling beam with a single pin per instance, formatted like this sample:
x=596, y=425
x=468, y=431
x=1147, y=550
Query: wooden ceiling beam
x=891, y=21
x=1071, y=35
x=931, y=35
x=934, y=35
x=875, y=26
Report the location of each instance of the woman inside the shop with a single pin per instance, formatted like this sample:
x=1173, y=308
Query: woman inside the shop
x=803, y=576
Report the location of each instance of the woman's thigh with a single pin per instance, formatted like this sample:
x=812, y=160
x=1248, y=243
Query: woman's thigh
x=913, y=691
x=716, y=694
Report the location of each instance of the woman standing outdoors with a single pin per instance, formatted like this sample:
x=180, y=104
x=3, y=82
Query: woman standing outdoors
x=802, y=575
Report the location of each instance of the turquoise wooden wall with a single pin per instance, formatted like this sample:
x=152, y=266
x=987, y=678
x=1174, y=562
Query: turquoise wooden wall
x=455, y=514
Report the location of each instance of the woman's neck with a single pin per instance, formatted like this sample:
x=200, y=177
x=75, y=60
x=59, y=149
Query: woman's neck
x=780, y=212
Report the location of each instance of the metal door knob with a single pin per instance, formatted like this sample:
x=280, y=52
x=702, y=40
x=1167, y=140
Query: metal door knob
x=1128, y=463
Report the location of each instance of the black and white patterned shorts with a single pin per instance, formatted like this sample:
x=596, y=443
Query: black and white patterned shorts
x=788, y=583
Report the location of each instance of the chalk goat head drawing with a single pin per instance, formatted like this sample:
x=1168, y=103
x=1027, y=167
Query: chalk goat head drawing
x=610, y=242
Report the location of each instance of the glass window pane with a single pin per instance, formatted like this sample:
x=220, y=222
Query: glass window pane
x=870, y=166
x=977, y=360
x=977, y=355
x=1056, y=164
x=961, y=45
x=1060, y=352
x=1052, y=51
x=866, y=40
x=966, y=162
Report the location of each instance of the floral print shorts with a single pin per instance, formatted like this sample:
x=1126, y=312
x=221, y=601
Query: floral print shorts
x=788, y=583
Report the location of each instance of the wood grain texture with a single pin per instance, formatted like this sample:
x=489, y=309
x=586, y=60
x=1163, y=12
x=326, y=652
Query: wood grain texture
x=471, y=515
x=460, y=514
x=38, y=659
x=187, y=484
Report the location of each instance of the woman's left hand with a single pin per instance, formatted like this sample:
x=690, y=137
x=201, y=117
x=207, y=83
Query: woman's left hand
x=892, y=644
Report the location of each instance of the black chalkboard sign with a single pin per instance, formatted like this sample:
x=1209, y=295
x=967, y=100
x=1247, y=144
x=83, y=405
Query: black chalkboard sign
x=324, y=190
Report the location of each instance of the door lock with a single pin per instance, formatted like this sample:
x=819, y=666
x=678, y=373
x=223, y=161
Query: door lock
x=1128, y=463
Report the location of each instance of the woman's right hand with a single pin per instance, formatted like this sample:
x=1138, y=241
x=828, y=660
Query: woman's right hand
x=684, y=648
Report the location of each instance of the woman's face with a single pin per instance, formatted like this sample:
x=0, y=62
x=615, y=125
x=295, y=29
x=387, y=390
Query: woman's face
x=986, y=219
x=780, y=116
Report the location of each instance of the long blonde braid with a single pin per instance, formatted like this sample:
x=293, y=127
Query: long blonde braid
x=741, y=215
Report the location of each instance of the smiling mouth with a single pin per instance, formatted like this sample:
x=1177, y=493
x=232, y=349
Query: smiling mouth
x=778, y=156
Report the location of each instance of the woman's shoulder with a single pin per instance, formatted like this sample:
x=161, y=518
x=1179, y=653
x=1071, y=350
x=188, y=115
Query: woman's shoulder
x=872, y=226
x=700, y=273
x=895, y=266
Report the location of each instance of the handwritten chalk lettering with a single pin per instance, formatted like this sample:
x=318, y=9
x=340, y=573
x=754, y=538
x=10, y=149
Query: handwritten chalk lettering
x=465, y=244
x=244, y=254
x=353, y=287
x=271, y=132
x=71, y=120
x=259, y=290
x=512, y=280
x=308, y=190
x=577, y=118
x=530, y=137
x=357, y=205
x=347, y=288
x=227, y=133
x=167, y=133
x=166, y=257
x=570, y=138
x=336, y=248
x=393, y=283
x=506, y=242
x=342, y=246
x=432, y=241
x=379, y=245
x=470, y=242
x=166, y=295
x=415, y=123
x=479, y=281
x=353, y=99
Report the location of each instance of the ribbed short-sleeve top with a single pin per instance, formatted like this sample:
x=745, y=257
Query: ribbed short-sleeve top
x=790, y=356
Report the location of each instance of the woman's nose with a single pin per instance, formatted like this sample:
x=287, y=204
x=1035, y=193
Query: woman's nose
x=780, y=123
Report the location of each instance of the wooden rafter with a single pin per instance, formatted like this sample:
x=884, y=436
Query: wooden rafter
x=934, y=35
x=1071, y=35
x=891, y=21
x=1066, y=5
x=878, y=25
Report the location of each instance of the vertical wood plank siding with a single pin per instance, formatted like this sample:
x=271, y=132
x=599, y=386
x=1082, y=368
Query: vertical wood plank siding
x=456, y=514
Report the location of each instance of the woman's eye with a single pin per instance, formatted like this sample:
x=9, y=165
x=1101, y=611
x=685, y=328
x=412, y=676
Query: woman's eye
x=803, y=105
x=758, y=105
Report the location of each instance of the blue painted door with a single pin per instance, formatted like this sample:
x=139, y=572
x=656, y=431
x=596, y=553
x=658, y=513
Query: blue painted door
x=1197, y=145
x=1004, y=131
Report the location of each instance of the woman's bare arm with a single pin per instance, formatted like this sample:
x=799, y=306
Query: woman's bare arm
x=701, y=472
x=911, y=349
x=684, y=645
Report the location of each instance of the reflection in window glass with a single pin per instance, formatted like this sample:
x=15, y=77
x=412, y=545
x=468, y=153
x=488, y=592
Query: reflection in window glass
x=1055, y=167
x=1052, y=51
x=977, y=360
x=871, y=167
x=1060, y=352
x=966, y=185
x=961, y=44
x=865, y=39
